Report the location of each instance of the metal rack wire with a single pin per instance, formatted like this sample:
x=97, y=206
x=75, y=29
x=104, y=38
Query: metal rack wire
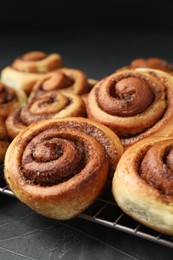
x=106, y=212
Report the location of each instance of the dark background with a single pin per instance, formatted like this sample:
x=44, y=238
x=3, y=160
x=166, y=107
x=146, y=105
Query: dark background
x=92, y=36
x=86, y=15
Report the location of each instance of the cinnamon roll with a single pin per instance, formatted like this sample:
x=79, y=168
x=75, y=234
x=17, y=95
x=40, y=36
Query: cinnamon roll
x=66, y=80
x=27, y=69
x=134, y=103
x=143, y=183
x=153, y=63
x=49, y=105
x=10, y=100
x=58, y=167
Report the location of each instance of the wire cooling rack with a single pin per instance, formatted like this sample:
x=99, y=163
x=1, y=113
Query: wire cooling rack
x=106, y=212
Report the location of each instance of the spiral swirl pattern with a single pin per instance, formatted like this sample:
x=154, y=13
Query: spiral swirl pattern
x=143, y=183
x=50, y=105
x=48, y=161
x=67, y=159
x=65, y=79
x=157, y=167
x=134, y=104
x=26, y=70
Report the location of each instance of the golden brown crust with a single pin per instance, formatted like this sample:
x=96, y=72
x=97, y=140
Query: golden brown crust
x=92, y=83
x=13, y=124
x=60, y=166
x=10, y=100
x=134, y=110
x=19, y=80
x=52, y=104
x=143, y=184
x=67, y=80
x=26, y=70
x=152, y=63
x=38, y=62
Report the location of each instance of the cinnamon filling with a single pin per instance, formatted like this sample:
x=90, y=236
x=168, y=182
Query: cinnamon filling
x=97, y=134
x=52, y=161
x=157, y=168
x=127, y=97
x=63, y=150
x=44, y=107
x=58, y=80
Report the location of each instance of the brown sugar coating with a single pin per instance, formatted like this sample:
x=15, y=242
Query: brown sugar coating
x=59, y=167
x=133, y=103
x=67, y=80
x=143, y=183
x=47, y=161
x=58, y=81
x=157, y=167
x=126, y=97
x=63, y=143
x=52, y=104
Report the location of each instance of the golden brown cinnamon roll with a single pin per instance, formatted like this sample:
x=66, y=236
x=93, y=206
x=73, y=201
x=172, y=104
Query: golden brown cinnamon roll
x=27, y=69
x=10, y=100
x=38, y=62
x=58, y=167
x=50, y=105
x=153, y=63
x=4, y=140
x=143, y=183
x=134, y=103
x=67, y=80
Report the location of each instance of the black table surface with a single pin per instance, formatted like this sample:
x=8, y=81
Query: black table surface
x=25, y=234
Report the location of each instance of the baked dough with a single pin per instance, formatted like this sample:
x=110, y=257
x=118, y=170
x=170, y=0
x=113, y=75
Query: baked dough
x=66, y=80
x=58, y=167
x=143, y=183
x=135, y=104
x=10, y=100
x=152, y=63
x=52, y=104
x=27, y=69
